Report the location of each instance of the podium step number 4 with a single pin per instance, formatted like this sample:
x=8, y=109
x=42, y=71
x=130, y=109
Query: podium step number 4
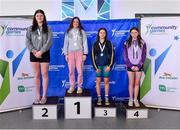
x=137, y=113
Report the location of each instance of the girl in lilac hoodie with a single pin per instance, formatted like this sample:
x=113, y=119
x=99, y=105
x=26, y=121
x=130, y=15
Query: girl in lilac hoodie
x=134, y=57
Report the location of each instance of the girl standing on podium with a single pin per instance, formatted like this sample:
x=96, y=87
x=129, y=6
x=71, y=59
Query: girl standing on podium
x=134, y=57
x=38, y=42
x=75, y=51
x=103, y=58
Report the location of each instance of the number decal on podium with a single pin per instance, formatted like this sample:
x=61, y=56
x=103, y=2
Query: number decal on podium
x=136, y=114
x=105, y=113
x=78, y=107
x=45, y=113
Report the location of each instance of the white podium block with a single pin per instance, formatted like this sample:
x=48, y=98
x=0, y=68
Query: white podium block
x=136, y=112
x=105, y=111
x=46, y=111
x=78, y=106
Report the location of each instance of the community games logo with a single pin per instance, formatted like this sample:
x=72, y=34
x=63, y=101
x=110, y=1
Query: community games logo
x=150, y=29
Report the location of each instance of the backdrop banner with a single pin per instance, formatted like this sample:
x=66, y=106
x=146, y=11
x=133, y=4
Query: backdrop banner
x=160, y=87
x=118, y=32
x=16, y=76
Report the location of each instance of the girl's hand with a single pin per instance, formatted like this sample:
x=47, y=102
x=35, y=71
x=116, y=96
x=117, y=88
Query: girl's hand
x=136, y=68
x=84, y=57
x=66, y=57
x=98, y=70
x=38, y=54
x=34, y=52
x=133, y=68
x=107, y=69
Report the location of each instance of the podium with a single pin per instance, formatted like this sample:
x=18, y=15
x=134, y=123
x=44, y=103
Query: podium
x=105, y=110
x=135, y=112
x=78, y=106
x=46, y=111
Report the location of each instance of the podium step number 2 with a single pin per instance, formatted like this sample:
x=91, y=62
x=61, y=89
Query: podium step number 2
x=46, y=111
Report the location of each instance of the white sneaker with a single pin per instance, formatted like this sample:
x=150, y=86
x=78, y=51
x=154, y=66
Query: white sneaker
x=99, y=101
x=79, y=90
x=130, y=103
x=71, y=90
x=107, y=101
x=136, y=103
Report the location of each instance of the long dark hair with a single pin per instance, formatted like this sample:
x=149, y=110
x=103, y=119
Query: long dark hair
x=79, y=27
x=98, y=38
x=35, y=24
x=139, y=38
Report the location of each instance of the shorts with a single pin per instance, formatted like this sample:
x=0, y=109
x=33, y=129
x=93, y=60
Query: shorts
x=129, y=69
x=102, y=72
x=45, y=57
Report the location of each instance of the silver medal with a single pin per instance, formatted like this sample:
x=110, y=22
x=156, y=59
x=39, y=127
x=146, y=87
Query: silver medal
x=102, y=49
x=75, y=44
x=39, y=34
x=39, y=37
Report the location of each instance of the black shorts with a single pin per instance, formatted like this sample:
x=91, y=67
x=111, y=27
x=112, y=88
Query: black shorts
x=45, y=57
x=129, y=69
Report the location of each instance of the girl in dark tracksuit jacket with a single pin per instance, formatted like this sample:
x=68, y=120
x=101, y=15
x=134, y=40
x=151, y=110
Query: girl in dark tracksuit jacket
x=103, y=59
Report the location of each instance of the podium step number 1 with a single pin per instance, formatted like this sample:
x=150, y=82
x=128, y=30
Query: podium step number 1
x=78, y=106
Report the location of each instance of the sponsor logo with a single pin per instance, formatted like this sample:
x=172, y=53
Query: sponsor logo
x=88, y=68
x=12, y=31
x=23, y=89
x=119, y=33
x=150, y=29
x=56, y=67
x=164, y=88
x=167, y=75
x=66, y=84
x=91, y=33
x=57, y=34
x=25, y=76
x=2, y=29
x=119, y=67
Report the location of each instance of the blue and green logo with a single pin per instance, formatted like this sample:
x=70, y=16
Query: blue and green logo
x=2, y=29
x=5, y=73
x=5, y=87
x=146, y=84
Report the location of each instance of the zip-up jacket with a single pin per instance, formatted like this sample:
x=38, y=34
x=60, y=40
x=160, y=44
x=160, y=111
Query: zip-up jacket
x=102, y=58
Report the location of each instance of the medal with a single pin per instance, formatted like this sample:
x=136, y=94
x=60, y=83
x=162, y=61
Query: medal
x=102, y=49
x=39, y=34
x=75, y=35
x=135, y=48
x=39, y=37
x=75, y=44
